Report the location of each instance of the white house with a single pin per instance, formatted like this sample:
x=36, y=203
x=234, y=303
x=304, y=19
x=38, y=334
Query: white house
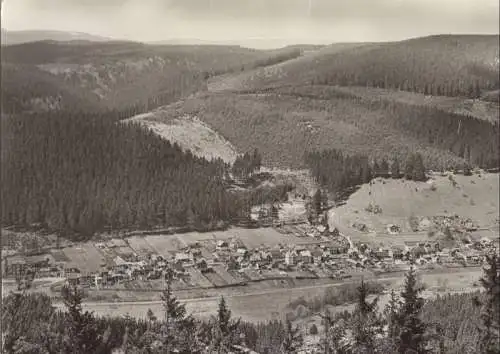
x=291, y=257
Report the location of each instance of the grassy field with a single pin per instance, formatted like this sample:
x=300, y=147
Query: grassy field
x=85, y=257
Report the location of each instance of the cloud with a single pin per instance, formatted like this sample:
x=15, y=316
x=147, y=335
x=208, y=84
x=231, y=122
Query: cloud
x=313, y=20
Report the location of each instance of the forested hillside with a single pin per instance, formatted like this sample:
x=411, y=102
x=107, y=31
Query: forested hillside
x=81, y=173
x=119, y=74
x=448, y=65
x=286, y=122
x=27, y=88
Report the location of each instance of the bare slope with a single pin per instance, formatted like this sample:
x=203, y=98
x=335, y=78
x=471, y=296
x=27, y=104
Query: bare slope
x=190, y=133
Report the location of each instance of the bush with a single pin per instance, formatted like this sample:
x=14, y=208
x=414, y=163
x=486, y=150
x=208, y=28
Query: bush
x=374, y=208
x=313, y=330
x=414, y=223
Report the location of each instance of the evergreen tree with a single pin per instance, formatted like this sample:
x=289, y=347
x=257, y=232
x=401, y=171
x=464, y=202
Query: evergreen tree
x=409, y=166
x=177, y=324
x=224, y=330
x=317, y=201
x=384, y=168
x=395, y=168
x=376, y=168
x=366, y=323
x=411, y=328
x=293, y=339
x=82, y=336
x=324, y=200
x=418, y=173
x=256, y=160
x=490, y=314
x=151, y=316
x=334, y=334
x=467, y=169
x=391, y=313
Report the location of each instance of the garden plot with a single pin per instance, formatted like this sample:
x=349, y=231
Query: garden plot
x=85, y=257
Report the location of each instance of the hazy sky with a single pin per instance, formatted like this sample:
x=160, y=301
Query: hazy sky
x=313, y=21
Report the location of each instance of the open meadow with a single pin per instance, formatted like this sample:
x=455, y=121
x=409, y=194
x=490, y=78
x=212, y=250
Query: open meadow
x=474, y=197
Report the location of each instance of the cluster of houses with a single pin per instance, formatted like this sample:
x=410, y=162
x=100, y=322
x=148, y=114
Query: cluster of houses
x=325, y=254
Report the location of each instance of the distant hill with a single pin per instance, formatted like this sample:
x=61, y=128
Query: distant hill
x=19, y=37
x=257, y=43
x=120, y=74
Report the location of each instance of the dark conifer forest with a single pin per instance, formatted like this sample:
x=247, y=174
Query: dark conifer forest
x=340, y=172
x=83, y=173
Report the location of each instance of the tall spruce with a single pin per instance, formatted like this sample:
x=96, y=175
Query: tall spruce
x=418, y=173
x=409, y=166
x=334, y=334
x=366, y=323
x=411, y=328
x=395, y=168
x=177, y=324
x=384, y=168
x=490, y=312
x=391, y=314
x=82, y=335
x=317, y=201
x=224, y=330
x=293, y=340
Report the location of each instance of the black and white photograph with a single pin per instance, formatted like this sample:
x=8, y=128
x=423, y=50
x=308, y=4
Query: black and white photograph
x=250, y=176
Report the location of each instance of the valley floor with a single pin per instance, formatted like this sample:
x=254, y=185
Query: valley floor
x=249, y=306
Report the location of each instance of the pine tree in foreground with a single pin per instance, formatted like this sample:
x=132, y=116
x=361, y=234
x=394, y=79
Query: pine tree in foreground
x=366, y=324
x=82, y=335
x=391, y=313
x=224, y=330
x=178, y=328
x=293, y=339
x=411, y=328
x=334, y=335
x=490, y=316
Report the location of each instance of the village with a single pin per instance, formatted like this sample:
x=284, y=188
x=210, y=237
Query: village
x=302, y=251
